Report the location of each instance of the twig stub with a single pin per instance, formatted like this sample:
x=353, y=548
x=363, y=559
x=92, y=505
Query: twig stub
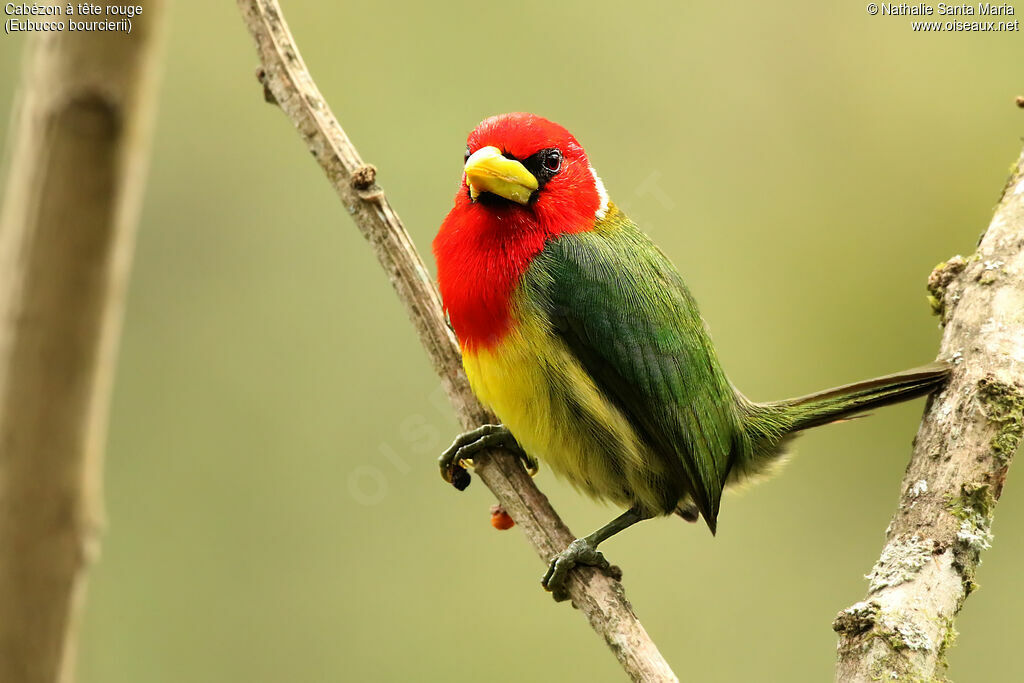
x=261, y=76
x=364, y=177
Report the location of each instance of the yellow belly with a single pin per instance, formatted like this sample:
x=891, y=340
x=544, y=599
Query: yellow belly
x=556, y=412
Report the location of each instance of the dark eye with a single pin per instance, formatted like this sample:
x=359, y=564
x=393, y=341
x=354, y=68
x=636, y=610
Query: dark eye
x=552, y=161
x=544, y=165
x=466, y=158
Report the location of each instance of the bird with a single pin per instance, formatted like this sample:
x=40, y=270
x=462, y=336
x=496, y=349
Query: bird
x=580, y=335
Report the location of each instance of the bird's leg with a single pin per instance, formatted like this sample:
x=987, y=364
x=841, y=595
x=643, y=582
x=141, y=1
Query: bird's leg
x=475, y=440
x=584, y=551
x=688, y=511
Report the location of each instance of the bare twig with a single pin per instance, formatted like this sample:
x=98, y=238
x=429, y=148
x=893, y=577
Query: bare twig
x=80, y=147
x=961, y=455
x=287, y=82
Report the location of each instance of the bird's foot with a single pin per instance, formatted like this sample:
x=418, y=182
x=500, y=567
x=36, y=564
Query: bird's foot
x=452, y=462
x=580, y=551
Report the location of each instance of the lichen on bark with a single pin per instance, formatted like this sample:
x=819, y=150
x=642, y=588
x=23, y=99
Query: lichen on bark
x=900, y=561
x=1003, y=405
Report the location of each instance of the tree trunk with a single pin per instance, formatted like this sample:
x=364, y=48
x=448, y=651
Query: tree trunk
x=80, y=142
x=962, y=453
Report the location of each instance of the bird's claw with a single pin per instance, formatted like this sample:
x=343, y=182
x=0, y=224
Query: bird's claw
x=452, y=462
x=580, y=551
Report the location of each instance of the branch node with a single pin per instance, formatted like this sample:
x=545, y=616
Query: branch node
x=938, y=282
x=856, y=619
x=364, y=177
x=261, y=76
x=363, y=181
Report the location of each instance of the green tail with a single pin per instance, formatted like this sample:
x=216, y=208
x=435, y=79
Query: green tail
x=770, y=426
x=830, y=405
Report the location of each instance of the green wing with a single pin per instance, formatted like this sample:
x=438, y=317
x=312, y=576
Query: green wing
x=622, y=309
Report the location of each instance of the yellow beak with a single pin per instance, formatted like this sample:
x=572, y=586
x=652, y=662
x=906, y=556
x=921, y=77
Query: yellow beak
x=488, y=171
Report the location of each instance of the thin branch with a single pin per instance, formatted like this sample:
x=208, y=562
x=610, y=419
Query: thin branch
x=962, y=452
x=80, y=150
x=288, y=83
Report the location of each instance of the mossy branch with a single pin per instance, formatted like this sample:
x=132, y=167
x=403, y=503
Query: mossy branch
x=962, y=452
x=287, y=83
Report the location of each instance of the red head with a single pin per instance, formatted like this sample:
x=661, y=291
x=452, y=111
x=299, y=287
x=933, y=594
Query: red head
x=526, y=180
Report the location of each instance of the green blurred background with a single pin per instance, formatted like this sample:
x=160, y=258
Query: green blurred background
x=274, y=508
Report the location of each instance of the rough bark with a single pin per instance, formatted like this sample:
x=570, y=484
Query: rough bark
x=969, y=434
x=80, y=142
x=288, y=83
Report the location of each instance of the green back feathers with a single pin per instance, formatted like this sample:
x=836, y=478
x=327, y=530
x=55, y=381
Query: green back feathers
x=623, y=312
x=622, y=309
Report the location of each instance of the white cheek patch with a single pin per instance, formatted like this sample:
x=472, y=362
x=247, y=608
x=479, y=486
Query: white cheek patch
x=602, y=194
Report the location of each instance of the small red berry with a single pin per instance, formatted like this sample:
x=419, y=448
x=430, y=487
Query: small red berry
x=500, y=519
